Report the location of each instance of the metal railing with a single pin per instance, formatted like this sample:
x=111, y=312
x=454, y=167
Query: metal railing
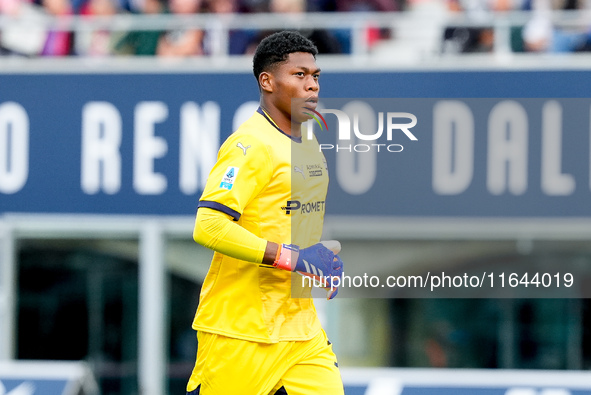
x=219, y=26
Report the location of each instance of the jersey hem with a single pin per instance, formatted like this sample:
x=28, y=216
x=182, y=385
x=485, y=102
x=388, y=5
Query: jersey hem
x=256, y=339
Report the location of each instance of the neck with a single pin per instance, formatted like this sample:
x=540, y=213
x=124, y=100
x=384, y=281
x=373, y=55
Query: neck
x=282, y=120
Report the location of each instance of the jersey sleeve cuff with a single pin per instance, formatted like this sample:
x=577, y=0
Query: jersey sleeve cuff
x=220, y=207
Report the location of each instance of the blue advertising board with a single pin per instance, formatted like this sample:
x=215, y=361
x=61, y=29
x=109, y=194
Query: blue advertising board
x=407, y=381
x=33, y=386
x=461, y=157
x=143, y=144
x=46, y=378
x=451, y=390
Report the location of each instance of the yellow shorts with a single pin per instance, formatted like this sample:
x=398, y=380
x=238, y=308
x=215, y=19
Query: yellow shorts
x=227, y=366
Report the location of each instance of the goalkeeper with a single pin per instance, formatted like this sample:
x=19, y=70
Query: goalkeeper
x=257, y=328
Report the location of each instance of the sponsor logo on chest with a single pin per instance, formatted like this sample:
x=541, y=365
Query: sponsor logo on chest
x=309, y=171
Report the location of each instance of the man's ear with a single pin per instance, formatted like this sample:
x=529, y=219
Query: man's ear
x=266, y=82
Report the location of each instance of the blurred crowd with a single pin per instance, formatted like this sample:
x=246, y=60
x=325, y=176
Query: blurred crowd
x=539, y=34
x=24, y=34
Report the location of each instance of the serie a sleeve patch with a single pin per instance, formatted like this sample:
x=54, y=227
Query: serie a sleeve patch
x=229, y=178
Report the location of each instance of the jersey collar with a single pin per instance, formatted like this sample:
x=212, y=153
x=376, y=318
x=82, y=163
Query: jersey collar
x=268, y=118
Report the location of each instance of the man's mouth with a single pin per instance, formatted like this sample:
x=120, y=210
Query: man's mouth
x=311, y=102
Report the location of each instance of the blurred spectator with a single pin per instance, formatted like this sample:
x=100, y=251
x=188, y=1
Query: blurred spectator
x=462, y=39
x=25, y=35
x=142, y=42
x=373, y=34
x=366, y=5
x=417, y=35
x=28, y=36
x=323, y=39
x=537, y=34
x=99, y=42
x=222, y=6
x=287, y=6
x=238, y=39
x=58, y=42
x=182, y=42
x=540, y=35
x=252, y=6
x=11, y=7
x=321, y=5
x=585, y=45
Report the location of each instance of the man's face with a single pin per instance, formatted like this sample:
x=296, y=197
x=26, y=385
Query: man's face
x=296, y=86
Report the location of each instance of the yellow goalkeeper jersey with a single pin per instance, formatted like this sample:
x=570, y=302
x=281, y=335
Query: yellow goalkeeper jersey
x=274, y=186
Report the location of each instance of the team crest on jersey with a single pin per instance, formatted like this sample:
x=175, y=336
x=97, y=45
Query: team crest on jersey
x=229, y=178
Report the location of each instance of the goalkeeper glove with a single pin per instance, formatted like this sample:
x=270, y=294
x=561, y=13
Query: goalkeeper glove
x=318, y=261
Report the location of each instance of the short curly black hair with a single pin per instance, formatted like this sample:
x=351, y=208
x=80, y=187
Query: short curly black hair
x=276, y=47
